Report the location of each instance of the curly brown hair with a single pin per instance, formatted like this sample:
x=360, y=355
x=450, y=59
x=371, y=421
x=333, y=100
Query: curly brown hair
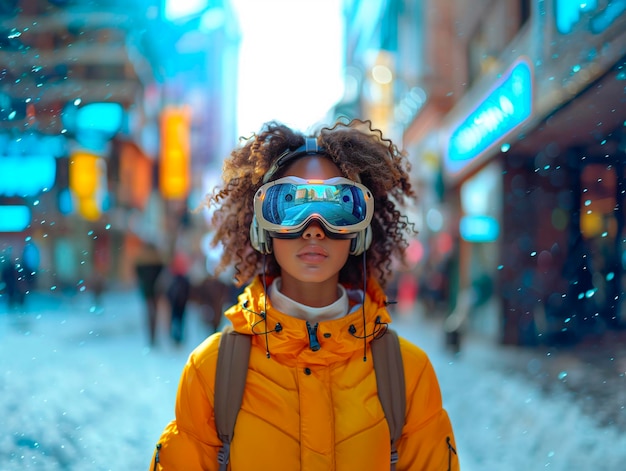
x=361, y=153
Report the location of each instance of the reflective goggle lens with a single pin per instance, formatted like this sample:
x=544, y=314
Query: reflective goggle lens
x=287, y=205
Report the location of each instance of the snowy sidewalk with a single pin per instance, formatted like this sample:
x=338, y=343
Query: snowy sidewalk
x=80, y=390
x=504, y=419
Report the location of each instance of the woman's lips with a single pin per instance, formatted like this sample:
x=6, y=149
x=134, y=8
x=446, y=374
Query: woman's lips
x=312, y=253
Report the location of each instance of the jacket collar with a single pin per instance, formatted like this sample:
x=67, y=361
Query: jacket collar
x=338, y=338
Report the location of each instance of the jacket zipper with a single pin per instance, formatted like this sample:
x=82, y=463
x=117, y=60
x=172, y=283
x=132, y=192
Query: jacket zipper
x=314, y=344
x=450, y=451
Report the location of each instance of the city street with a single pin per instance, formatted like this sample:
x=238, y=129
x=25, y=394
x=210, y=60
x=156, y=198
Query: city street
x=80, y=390
x=484, y=147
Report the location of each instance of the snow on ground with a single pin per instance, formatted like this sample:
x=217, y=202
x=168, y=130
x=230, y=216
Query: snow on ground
x=80, y=390
x=503, y=421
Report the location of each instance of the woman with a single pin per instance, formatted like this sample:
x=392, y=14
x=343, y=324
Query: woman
x=312, y=224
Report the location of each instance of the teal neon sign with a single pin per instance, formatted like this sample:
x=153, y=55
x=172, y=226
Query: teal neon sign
x=506, y=106
x=568, y=13
x=26, y=175
x=479, y=229
x=14, y=218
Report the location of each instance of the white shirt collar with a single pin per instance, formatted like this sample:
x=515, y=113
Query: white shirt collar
x=288, y=306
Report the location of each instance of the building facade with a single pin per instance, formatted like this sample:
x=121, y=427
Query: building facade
x=531, y=154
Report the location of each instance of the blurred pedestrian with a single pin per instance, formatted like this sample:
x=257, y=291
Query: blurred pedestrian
x=212, y=295
x=178, y=293
x=148, y=267
x=12, y=282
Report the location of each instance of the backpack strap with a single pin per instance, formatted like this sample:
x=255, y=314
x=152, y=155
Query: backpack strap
x=230, y=381
x=391, y=388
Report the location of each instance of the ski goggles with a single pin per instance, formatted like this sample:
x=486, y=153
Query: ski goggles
x=285, y=207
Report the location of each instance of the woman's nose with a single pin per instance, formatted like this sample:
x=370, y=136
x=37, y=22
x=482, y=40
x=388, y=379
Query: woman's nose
x=314, y=231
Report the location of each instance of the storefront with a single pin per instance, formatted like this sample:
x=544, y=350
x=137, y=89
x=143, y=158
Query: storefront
x=545, y=140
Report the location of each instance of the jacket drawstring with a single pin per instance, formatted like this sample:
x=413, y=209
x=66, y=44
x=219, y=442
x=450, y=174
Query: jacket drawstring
x=450, y=451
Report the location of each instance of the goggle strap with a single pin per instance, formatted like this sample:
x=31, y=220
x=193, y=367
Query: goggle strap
x=310, y=147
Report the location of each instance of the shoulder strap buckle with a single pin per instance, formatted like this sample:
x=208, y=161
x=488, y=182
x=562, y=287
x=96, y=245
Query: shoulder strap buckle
x=224, y=454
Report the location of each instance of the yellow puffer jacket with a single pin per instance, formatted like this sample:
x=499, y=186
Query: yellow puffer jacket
x=306, y=410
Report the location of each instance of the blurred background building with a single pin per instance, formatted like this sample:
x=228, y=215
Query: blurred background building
x=512, y=111
x=103, y=105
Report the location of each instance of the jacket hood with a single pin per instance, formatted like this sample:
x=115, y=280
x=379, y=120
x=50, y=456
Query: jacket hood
x=291, y=336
